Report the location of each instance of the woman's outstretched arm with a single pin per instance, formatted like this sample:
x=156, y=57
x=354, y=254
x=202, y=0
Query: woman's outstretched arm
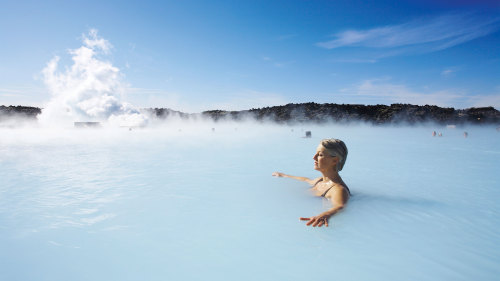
x=283, y=175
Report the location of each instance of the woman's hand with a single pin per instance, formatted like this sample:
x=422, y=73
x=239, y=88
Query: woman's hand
x=338, y=199
x=319, y=220
x=278, y=174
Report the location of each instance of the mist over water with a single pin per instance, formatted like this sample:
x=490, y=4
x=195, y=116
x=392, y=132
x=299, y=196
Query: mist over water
x=88, y=90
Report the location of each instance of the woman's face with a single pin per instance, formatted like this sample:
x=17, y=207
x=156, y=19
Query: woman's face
x=323, y=160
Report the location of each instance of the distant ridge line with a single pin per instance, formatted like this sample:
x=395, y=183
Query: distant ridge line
x=311, y=112
x=345, y=113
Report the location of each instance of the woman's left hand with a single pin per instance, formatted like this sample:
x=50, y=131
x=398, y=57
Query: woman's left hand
x=319, y=220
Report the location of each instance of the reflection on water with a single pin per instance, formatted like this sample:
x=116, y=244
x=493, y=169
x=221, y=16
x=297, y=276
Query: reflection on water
x=200, y=204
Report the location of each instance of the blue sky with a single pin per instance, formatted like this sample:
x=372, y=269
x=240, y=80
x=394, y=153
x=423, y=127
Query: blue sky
x=199, y=55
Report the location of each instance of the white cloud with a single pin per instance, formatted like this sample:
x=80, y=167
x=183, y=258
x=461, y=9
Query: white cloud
x=489, y=100
x=20, y=91
x=355, y=60
x=10, y=92
x=448, y=72
x=278, y=64
x=421, y=35
x=92, y=41
x=492, y=99
x=382, y=91
x=28, y=96
x=283, y=64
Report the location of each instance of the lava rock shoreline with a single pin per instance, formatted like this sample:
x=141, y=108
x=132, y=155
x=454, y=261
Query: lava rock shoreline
x=347, y=113
x=316, y=113
x=18, y=112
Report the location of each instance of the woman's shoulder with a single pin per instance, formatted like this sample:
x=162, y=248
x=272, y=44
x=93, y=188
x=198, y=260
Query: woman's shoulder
x=338, y=188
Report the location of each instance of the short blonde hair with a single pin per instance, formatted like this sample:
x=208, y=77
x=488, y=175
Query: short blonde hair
x=336, y=147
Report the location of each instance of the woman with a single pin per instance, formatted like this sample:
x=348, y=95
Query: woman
x=329, y=160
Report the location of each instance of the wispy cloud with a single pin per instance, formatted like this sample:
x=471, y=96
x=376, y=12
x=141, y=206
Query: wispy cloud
x=286, y=37
x=283, y=64
x=448, y=72
x=10, y=91
x=355, y=60
x=93, y=41
x=278, y=64
x=19, y=92
x=383, y=91
x=420, y=35
x=492, y=99
x=488, y=100
x=32, y=96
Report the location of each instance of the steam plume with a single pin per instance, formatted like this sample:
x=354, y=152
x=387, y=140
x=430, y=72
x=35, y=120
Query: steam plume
x=89, y=90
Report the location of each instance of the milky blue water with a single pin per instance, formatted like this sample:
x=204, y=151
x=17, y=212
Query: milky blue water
x=185, y=202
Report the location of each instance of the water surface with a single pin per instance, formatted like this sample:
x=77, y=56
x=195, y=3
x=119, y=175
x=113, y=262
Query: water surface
x=186, y=202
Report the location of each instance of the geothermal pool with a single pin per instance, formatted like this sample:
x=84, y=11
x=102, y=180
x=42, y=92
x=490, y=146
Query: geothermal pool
x=185, y=202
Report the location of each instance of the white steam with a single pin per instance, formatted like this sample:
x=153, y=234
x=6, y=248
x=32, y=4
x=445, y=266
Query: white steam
x=89, y=90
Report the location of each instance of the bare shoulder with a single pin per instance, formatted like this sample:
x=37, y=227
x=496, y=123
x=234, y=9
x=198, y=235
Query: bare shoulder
x=338, y=193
